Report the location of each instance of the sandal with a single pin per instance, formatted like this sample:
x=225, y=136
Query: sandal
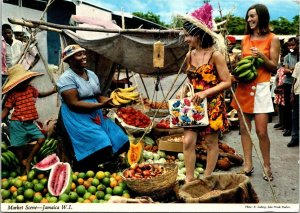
x=268, y=176
x=243, y=172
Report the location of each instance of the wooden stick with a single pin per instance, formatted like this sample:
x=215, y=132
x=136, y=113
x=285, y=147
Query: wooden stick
x=31, y=25
x=43, y=24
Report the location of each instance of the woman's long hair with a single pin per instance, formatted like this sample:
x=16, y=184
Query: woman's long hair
x=263, y=19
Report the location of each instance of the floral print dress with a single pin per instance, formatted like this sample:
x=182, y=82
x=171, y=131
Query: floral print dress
x=204, y=77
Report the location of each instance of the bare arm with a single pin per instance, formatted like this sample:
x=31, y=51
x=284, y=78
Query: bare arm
x=71, y=99
x=5, y=112
x=47, y=93
x=272, y=62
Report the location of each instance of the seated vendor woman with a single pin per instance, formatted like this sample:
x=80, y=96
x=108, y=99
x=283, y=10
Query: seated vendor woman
x=94, y=137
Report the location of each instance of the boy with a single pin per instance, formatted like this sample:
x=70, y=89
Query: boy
x=21, y=97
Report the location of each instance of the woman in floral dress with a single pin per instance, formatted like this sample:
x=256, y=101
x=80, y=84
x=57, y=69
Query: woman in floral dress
x=208, y=73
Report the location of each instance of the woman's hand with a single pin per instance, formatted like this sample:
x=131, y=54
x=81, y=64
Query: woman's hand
x=198, y=97
x=256, y=52
x=103, y=100
x=233, y=79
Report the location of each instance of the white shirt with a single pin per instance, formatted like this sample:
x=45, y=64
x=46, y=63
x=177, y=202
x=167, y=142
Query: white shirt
x=296, y=75
x=17, y=49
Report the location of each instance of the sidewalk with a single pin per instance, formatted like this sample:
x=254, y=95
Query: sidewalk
x=284, y=160
x=284, y=163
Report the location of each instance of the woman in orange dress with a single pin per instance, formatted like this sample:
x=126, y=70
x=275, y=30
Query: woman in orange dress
x=208, y=73
x=255, y=97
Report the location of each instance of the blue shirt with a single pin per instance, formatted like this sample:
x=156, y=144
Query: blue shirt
x=86, y=88
x=289, y=60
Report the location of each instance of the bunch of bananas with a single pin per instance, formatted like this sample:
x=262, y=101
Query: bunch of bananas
x=48, y=148
x=124, y=96
x=8, y=158
x=246, y=69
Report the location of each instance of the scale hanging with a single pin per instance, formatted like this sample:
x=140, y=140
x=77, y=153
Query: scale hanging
x=158, y=54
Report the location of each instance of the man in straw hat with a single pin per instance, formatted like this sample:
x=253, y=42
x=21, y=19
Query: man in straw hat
x=208, y=73
x=21, y=97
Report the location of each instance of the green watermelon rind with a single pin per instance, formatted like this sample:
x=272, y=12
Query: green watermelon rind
x=39, y=166
x=67, y=185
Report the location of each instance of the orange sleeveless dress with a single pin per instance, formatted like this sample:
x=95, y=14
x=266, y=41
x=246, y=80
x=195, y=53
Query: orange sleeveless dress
x=255, y=96
x=204, y=77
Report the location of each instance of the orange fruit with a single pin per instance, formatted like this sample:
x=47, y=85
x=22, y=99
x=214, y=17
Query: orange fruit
x=44, y=200
x=40, y=176
x=90, y=179
x=114, y=175
x=80, y=181
x=37, y=198
x=37, y=193
x=73, y=186
x=113, y=183
x=13, y=189
x=87, y=184
x=23, y=178
x=87, y=201
x=118, y=178
x=92, y=197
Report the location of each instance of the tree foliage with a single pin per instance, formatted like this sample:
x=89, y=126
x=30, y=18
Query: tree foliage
x=150, y=16
x=234, y=25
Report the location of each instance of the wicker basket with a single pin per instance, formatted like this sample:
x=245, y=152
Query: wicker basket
x=159, y=185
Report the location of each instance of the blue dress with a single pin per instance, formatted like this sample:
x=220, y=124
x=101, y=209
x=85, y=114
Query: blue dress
x=89, y=132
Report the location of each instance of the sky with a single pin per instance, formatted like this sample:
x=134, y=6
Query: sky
x=168, y=8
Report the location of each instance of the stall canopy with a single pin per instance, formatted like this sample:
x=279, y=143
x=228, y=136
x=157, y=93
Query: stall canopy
x=134, y=51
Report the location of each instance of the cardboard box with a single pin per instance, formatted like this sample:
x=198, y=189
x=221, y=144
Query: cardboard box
x=170, y=143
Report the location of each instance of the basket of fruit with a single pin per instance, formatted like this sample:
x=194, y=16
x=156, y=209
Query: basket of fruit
x=151, y=179
x=133, y=120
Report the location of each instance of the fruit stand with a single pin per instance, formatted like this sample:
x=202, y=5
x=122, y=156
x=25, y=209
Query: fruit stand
x=148, y=169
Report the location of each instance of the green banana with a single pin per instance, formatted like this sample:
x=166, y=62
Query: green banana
x=244, y=74
x=249, y=77
x=4, y=162
x=243, y=61
x=259, y=62
x=49, y=152
x=6, y=157
x=11, y=155
x=54, y=144
x=48, y=142
x=42, y=154
x=248, y=57
x=243, y=68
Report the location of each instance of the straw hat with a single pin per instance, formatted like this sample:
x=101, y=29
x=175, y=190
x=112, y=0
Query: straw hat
x=16, y=75
x=202, y=18
x=71, y=50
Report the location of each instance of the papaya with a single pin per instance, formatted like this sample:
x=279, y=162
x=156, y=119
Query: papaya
x=135, y=153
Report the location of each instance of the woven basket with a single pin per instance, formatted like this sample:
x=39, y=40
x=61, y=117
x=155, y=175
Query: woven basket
x=159, y=185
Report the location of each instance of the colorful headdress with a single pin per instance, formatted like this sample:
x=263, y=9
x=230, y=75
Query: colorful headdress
x=71, y=50
x=203, y=19
x=16, y=75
